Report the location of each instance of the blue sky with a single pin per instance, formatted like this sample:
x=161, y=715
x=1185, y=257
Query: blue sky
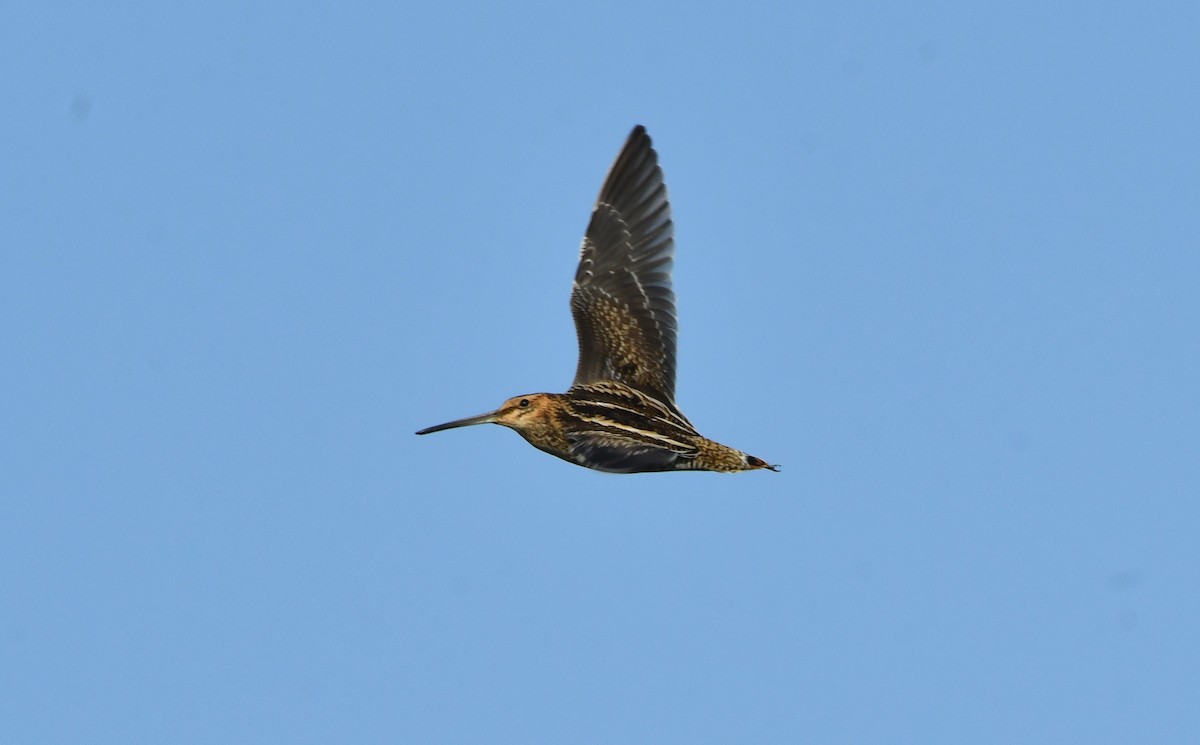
x=939, y=260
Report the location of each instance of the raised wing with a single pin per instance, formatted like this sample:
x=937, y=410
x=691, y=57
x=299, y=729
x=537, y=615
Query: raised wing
x=623, y=304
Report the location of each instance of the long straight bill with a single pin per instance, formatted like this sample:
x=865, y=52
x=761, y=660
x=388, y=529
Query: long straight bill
x=471, y=420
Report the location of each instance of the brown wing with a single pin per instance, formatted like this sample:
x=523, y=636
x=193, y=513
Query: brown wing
x=622, y=302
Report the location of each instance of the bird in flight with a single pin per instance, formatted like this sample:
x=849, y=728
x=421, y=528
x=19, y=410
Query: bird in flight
x=620, y=414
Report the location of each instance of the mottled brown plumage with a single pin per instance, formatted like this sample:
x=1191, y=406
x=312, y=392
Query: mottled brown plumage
x=620, y=415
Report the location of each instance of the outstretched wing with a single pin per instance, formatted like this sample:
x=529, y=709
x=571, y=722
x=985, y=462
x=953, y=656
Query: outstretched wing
x=622, y=302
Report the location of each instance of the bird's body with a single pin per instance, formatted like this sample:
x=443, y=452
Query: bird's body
x=620, y=414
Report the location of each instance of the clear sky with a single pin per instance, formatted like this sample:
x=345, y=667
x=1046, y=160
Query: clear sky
x=940, y=260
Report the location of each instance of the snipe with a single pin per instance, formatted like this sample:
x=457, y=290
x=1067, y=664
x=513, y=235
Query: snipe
x=620, y=415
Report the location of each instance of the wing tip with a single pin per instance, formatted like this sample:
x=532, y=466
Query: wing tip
x=638, y=139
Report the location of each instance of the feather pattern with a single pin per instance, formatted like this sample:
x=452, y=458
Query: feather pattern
x=622, y=301
x=614, y=427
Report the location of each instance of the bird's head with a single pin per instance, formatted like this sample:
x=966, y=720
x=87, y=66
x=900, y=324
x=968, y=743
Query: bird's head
x=518, y=412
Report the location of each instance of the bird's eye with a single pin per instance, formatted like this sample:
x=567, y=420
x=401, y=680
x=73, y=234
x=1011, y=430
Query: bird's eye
x=523, y=403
